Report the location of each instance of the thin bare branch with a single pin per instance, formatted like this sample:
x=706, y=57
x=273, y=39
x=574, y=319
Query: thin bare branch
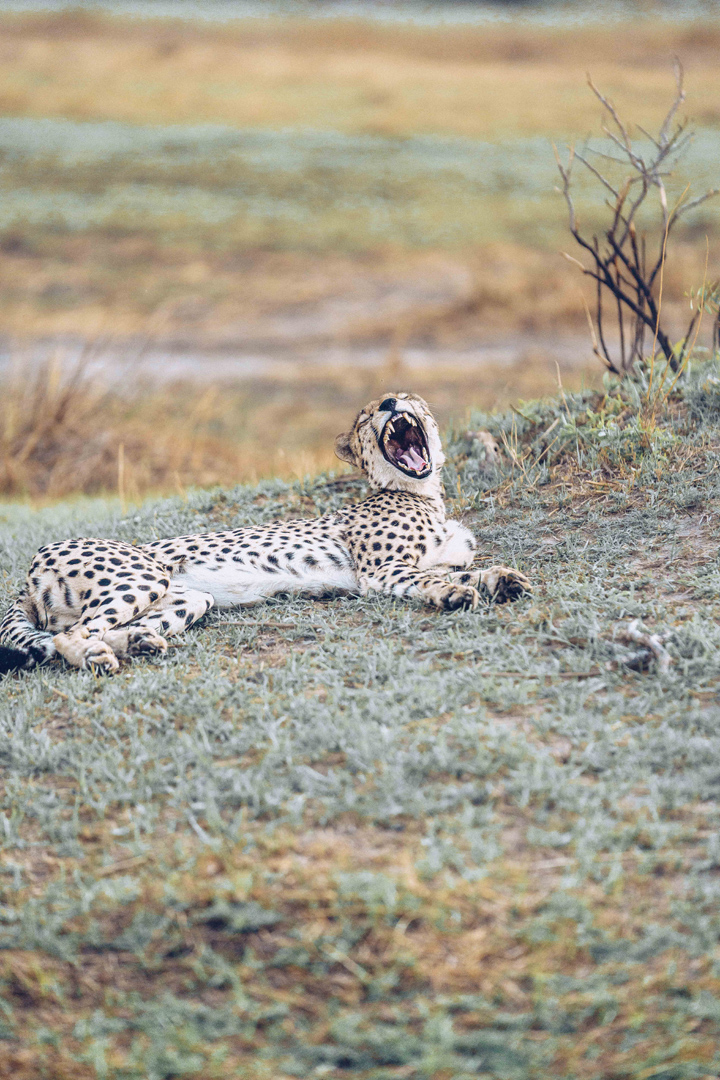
x=608, y=157
x=648, y=135
x=621, y=322
x=573, y=260
x=597, y=174
x=608, y=105
x=635, y=160
x=696, y=202
x=679, y=100
x=599, y=308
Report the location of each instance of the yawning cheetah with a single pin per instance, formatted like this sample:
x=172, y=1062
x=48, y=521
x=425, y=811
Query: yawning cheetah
x=94, y=601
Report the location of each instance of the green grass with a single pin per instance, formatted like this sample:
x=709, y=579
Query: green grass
x=212, y=188
x=147, y=164
x=358, y=838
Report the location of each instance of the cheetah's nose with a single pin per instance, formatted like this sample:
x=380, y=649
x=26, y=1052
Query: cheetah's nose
x=388, y=405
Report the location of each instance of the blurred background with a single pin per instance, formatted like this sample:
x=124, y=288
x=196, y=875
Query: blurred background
x=225, y=225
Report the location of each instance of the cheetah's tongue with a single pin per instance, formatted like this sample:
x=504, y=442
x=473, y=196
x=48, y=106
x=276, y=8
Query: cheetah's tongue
x=412, y=460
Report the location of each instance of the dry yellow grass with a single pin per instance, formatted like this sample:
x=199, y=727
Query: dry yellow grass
x=485, y=82
x=97, y=285
x=490, y=83
x=64, y=432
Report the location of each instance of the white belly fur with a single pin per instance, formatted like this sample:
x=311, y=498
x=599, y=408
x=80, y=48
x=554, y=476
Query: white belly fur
x=231, y=585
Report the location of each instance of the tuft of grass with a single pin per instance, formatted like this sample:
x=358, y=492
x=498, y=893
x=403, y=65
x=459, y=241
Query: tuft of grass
x=357, y=838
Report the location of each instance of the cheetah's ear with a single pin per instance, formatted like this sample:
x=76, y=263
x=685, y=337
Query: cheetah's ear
x=343, y=450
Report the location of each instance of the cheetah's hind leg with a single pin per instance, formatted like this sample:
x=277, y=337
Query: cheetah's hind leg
x=174, y=612
x=96, y=646
x=82, y=648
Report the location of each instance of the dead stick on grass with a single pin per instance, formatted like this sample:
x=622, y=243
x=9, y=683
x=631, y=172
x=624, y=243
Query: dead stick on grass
x=266, y=625
x=54, y=690
x=347, y=962
x=609, y=856
x=538, y=674
x=124, y=864
x=653, y=642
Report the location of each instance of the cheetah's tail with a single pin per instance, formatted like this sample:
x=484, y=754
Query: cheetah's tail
x=24, y=645
x=12, y=659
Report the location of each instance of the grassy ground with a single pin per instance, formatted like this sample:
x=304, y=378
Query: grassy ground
x=357, y=838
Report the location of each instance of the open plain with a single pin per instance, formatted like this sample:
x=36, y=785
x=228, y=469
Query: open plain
x=308, y=211
x=355, y=838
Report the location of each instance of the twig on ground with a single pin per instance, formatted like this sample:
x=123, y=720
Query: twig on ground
x=131, y=863
x=653, y=642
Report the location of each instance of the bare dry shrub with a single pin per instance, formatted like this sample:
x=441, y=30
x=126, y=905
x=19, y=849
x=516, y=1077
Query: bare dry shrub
x=49, y=439
x=626, y=274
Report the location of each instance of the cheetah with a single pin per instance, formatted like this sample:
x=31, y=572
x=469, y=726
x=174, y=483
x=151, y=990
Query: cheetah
x=95, y=602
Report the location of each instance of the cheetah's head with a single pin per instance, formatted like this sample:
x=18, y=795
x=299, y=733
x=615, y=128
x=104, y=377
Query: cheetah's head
x=396, y=443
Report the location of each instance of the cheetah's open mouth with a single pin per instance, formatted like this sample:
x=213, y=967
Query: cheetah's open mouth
x=404, y=445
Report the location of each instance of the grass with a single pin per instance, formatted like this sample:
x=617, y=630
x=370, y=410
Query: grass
x=149, y=195
x=67, y=428
x=347, y=76
x=355, y=838
x=148, y=166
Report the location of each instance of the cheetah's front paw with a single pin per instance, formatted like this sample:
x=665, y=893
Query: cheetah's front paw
x=502, y=584
x=100, y=657
x=79, y=648
x=451, y=596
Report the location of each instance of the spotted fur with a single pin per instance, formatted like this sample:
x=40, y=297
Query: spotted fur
x=94, y=602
